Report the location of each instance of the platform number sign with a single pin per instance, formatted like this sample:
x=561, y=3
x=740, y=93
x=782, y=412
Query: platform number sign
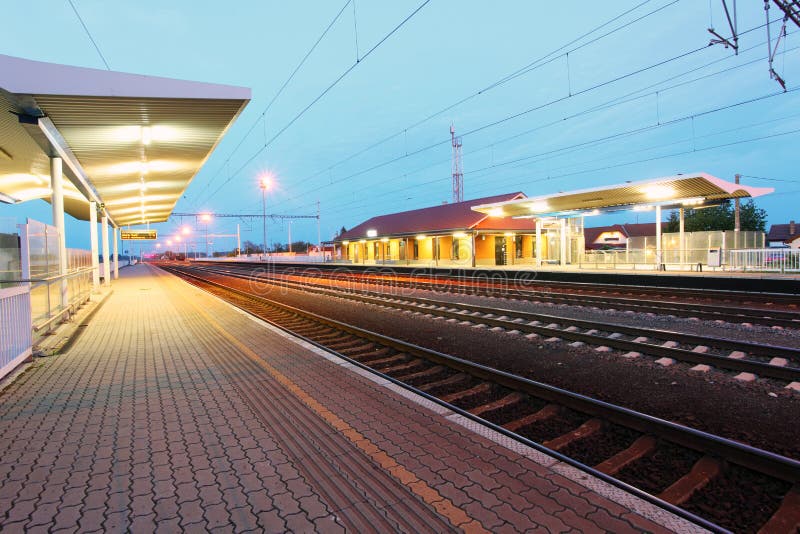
x=138, y=235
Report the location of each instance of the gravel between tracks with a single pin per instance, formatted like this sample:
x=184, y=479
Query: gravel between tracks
x=761, y=413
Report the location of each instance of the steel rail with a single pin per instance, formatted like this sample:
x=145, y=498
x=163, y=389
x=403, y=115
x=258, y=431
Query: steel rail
x=765, y=462
x=789, y=374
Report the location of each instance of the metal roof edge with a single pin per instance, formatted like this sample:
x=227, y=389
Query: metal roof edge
x=27, y=76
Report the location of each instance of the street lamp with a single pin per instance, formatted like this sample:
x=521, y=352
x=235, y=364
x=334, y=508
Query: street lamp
x=264, y=183
x=206, y=218
x=185, y=231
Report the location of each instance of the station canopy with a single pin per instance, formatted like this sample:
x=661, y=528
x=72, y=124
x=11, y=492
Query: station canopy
x=683, y=190
x=131, y=143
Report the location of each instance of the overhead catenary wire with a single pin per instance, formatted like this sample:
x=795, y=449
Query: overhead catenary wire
x=89, y=34
x=614, y=137
x=539, y=62
x=324, y=92
x=503, y=120
x=623, y=99
x=263, y=114
x=498, y=122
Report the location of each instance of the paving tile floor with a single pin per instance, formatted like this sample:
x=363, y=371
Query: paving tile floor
x=174, y=412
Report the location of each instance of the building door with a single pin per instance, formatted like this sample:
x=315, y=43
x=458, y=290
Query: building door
x=499, y=250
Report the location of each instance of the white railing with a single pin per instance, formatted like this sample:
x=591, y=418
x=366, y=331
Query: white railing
x=782, y=260
x=15, y=327
x=645, y=259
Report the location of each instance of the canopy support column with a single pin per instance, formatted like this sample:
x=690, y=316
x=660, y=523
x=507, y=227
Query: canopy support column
x=682, y=236
x=562, y=260
x=106, y=255
x=116, y=254
x=658, y=238
x=57, y=201
x=472, y=251
x=93, y=239
x=538, y=242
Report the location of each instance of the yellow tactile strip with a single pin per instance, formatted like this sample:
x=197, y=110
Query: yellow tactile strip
x=444, y=506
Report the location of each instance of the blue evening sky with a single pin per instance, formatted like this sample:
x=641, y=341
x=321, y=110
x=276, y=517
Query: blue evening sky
x=447, y=52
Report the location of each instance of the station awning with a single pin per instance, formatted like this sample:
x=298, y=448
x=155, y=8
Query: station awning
x=131, y=143
x=690, y=190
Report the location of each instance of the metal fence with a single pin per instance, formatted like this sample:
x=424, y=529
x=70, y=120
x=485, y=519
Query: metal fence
x=15, y=327
x=782, y=260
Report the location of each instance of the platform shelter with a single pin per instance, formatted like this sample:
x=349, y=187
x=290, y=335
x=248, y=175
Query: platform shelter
x=99, y=145
x=564, y=213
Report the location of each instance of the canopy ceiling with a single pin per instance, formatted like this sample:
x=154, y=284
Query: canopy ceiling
x=132, y=143
x=692, y=190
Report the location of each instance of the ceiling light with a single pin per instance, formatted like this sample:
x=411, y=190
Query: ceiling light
x=420, y=237
x=345, y=243
x=659, y=192
x=496, y=212
x=372, y=233
x=384, y=239
x=538, y=207
x=147, y=135
x=459, y=235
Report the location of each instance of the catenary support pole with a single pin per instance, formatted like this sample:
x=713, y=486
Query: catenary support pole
x=658, y=238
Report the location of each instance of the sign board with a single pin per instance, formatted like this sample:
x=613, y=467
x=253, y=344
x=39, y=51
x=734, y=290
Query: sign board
x=138, y=235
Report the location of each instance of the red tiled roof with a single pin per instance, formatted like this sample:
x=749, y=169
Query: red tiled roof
x=592, y=234
x=641, y=229
x=444, y=218
x=781, y=232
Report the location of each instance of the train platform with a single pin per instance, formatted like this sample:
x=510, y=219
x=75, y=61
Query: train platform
x=175, y=411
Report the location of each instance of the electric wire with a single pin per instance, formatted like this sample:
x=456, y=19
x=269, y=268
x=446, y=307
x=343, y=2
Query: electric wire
x=274, y=98
x=89, y=34
x=505, y=119
x=594, y=142
x=540, y=62
x=501, y=121
x=322, y=94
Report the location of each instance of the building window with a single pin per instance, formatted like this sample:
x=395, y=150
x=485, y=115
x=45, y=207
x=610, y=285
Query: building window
x=518, y=246
x=416, y=250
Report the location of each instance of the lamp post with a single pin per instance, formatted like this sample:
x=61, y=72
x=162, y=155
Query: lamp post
x=264, y=184
x=186, y=231
x=206, y=218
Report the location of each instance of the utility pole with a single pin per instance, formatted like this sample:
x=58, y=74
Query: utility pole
x=238, y=242
x=290, y=236
x=737, y=223
x=319, y=235
x=458, y=167
x=736, y=220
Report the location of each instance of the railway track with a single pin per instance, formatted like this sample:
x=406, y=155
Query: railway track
x=728, y=307
x=768, y=361
x=692, y=473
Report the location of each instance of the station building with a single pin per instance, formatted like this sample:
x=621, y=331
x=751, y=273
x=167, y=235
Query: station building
x=443, y=235
x=514, y=229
